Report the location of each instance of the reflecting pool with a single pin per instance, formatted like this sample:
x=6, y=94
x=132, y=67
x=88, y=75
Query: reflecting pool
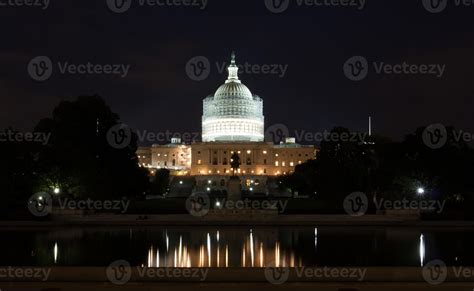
x=237, y=246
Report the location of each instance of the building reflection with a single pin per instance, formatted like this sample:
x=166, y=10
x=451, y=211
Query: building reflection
x=221, y=250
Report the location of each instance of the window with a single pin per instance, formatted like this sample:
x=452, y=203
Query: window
x=276, y=164
x=224, y=162
x=264, y=161
x=199, y=162
x=174, y=162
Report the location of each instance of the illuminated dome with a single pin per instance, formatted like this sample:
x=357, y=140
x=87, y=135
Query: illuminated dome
x=233, y=90
x=233, y=113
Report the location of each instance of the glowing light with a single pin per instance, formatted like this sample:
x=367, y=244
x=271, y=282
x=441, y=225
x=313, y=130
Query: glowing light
x=420, y=191
x=55, y=252
x=422, y=249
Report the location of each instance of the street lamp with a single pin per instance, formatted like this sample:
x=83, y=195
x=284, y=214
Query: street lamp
x=420, y=191
x=56, y=190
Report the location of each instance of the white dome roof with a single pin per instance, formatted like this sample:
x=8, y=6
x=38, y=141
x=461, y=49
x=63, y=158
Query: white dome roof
x=233, y=89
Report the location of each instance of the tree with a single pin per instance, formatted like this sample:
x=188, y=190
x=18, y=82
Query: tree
x=160, y=182
x=79, y=156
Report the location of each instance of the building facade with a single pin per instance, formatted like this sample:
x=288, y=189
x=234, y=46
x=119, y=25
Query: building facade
x=232, y=122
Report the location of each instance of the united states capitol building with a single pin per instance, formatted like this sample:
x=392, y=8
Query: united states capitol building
x=232, y=122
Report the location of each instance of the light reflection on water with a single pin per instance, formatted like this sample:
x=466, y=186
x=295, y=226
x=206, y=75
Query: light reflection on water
x=214, y=253
x=226, y=247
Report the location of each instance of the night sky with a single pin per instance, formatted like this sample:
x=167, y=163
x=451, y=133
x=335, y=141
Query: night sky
x=314, y=42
